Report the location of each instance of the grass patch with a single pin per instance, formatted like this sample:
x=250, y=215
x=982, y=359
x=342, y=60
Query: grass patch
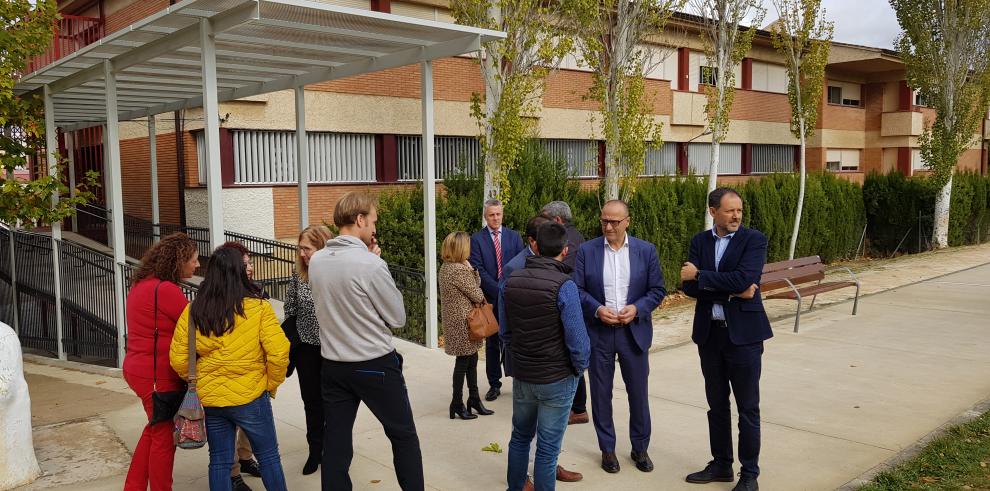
x=959, y=459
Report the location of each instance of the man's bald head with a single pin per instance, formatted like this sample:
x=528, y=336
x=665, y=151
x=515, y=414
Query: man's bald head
x=616, y=206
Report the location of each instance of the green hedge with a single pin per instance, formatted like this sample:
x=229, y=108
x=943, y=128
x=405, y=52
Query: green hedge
x=900, y=211
x=665, y=211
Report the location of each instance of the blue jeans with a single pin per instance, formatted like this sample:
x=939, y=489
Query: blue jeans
x=539, y=410
x=257, y=422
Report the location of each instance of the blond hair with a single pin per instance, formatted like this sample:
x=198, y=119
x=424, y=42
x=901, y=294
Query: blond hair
x=456, y=247
x=351, y=205
x=316, y=236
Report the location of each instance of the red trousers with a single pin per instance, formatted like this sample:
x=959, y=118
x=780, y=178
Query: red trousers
x=154, y=454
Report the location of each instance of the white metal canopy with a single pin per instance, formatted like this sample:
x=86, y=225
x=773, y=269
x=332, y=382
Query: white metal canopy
x=261, y=46
x=199, y=53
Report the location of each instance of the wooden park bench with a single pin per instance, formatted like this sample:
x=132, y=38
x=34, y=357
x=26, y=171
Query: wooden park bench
x=798, y=278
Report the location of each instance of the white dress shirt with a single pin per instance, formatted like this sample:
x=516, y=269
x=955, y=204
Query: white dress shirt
x=615, y=275
x=721, y=243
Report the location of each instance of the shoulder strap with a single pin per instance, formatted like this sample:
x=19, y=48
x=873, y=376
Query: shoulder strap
x=192, y=352
x=154, y=361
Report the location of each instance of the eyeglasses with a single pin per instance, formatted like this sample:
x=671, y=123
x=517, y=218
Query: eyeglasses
x=613, y=223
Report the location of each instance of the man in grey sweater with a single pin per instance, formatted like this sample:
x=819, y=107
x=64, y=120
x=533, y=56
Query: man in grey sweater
x=357, y=305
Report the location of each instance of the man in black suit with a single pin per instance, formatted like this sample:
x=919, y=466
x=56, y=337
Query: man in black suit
x=723, y=273
x=492, y=248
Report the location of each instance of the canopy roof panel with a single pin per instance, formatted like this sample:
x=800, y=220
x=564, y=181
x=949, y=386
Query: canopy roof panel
x=261, y=46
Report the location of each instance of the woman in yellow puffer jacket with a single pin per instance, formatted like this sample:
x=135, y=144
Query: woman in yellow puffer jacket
x=242, y=355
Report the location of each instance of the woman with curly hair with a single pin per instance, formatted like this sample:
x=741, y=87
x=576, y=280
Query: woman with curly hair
x=154, y=304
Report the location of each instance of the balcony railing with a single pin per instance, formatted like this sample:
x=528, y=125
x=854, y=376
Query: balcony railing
x=72, y=33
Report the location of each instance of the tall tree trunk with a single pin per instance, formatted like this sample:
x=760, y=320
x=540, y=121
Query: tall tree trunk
x=800, y=202
x=941, y=226
x=611, y=143
x=712, y=179
x=491, y=70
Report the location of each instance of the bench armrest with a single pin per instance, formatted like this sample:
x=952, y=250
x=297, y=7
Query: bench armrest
x=852, y=275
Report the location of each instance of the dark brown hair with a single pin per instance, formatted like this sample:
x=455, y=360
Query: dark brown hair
x=164, y=259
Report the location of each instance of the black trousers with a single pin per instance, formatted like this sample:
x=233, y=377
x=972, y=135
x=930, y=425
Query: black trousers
x=493, y=361
x=465, y=367
x=309, y=363
x=380, y=385
x=580, y=404
x=736, y=369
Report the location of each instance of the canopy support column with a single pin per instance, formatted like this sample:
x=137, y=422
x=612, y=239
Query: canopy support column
x=211, y=133
x=153, y=150
x=430, y=204
x=51, y=150
x=115, y=193
x=302, y=157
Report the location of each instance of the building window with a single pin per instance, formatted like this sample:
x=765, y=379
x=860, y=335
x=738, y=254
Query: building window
x=700, y=157
x=201, y=156
x=451, y=154
x=269, y=157
x=773, y=158
x=844, y=93
x=920, y=99
x=708, y=75
x=768, y=77
x=834, y=95
x=842, y=159
x=661, y=161
x=581, y=156
x=918, y=160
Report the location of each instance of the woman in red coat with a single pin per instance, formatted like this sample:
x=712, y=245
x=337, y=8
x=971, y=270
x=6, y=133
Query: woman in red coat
x=146, y=369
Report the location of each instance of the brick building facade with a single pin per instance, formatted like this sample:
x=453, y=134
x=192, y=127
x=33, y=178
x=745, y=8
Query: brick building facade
x=368, y=126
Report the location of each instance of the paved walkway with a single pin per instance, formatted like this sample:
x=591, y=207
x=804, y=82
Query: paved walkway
x=844, y=395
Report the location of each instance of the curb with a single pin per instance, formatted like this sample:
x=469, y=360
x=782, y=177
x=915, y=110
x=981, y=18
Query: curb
x=916, y=448
x=73, y=365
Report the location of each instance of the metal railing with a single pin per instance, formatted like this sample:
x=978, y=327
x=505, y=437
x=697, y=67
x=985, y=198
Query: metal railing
x=71, y=33
x=273, y=262
x=35, y=301
x=412, y=284
x=89, y=319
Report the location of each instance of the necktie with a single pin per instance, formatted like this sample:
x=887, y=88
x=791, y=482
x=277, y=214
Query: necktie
x=498, y=251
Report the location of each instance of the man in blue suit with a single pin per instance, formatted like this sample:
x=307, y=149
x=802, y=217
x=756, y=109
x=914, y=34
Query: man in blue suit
x=491, y=248
x=723, y=272
x=621, y=284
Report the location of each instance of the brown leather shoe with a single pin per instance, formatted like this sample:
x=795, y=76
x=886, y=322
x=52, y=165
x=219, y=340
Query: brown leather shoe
x=564, y=475
x=577, y=418
x=528, y=485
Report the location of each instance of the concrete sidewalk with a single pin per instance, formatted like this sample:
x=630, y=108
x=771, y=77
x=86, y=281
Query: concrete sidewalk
x=844, y=395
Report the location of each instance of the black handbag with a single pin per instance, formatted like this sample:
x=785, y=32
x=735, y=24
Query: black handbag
x=164, y=405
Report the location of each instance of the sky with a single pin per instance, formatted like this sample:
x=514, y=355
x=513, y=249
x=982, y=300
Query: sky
x=865, y=22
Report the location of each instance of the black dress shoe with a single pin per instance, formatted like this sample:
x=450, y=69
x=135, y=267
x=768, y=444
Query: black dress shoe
x=609, y=463
x=250, y=467
x=746, y=483
x=493, y=394
x=237, y=484
x=711, y=473
x=642, y=460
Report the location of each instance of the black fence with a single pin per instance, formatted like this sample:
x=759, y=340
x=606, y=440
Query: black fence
x=35, y=303
x=412, y=284
x=7, y=304
x=273, y=262
x=89, y=318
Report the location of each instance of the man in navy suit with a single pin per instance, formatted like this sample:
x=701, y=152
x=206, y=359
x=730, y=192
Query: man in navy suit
x=723, y=270
x=491, y=249
x=621, y=284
